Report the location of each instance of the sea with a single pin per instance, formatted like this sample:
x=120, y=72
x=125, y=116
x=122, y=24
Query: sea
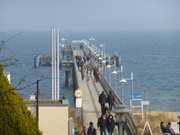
x=152, y=56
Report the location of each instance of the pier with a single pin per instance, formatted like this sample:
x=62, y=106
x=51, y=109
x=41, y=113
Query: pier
x=91, y=109
x=87, y=92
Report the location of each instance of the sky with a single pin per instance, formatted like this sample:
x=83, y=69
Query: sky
x=89, y=15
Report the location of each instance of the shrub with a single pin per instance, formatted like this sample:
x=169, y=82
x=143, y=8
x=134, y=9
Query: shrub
x=15, y=119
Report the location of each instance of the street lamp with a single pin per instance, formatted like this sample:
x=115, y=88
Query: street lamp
x=114, y=73
x=131, y=79
x=63, y=40
x=102, y=46
x=100, y=59
x=104, y=63
x=97, y=55
x=122, y=81
x=92, y=40
x=109, y=67
x=132, y=90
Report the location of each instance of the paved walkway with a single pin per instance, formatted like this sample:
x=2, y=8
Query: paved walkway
x=91, y=107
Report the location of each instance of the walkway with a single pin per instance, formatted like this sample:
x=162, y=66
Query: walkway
x=91, y=92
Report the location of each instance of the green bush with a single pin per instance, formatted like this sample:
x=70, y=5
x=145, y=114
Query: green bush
x=15, y=118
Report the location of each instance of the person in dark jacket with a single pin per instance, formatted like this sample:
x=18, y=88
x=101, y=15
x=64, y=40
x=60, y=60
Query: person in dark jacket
x=110, y=100
x=179, y=122
x=91, y=129
x=102, y=124
x=163, y=128
x=102, y=101
x=110, y=124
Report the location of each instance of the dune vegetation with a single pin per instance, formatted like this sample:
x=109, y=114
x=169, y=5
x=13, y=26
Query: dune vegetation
x=154, y=118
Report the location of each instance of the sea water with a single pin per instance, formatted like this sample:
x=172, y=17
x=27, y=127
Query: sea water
x=153, y=57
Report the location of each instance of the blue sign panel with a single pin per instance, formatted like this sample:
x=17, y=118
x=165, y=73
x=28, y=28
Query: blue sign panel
x=137, y=95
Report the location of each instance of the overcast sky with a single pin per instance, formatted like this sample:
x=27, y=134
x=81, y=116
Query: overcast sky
x=89, y=15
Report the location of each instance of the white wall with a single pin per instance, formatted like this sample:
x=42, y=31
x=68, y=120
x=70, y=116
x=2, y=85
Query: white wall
x=53, y=119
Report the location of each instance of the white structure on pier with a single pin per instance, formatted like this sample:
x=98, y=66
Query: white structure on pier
x=55, y=63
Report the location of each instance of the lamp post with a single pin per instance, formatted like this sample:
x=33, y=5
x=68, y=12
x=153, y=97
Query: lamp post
x=100, y=59
x=92, y=40
x=114, y=73
x=102, y=46
x=97, y=54
x=109, y=67
x=104, y=63
x=131, y=79
x=132, y=90
x=122, y=81
x=63, y=40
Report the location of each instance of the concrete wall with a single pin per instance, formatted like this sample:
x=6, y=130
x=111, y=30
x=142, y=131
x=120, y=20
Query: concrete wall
x=53, y=119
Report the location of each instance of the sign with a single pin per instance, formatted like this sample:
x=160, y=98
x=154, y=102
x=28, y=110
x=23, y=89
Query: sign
x=145, y=102
x=78, y=112
x=78, y=102
x=78, y=93
x=137, y=95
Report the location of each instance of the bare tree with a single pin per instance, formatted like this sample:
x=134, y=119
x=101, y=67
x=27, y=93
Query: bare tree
x=10, y=61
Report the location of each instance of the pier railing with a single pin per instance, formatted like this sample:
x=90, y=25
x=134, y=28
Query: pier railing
x=130, y=124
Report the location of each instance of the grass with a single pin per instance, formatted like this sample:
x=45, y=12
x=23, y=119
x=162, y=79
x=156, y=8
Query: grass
x=77, y=122
x=154, y=118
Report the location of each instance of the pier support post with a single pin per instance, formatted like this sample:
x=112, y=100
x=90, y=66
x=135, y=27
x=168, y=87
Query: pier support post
x=120, y=112
x=120, y=121
x=68, y=78
x=55, y=64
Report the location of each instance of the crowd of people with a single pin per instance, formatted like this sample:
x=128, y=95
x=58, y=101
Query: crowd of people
x=106, y=122
x=167, y=128
x=83, y=65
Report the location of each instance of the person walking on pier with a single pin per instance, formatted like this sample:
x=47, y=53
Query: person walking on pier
x=82, y=74
x=94, y=73
x=102, y=124
x=110, y=100
x=110, y=124
x=163, y=128
x=78, y=64
x=102, y=101
x=91, y=129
